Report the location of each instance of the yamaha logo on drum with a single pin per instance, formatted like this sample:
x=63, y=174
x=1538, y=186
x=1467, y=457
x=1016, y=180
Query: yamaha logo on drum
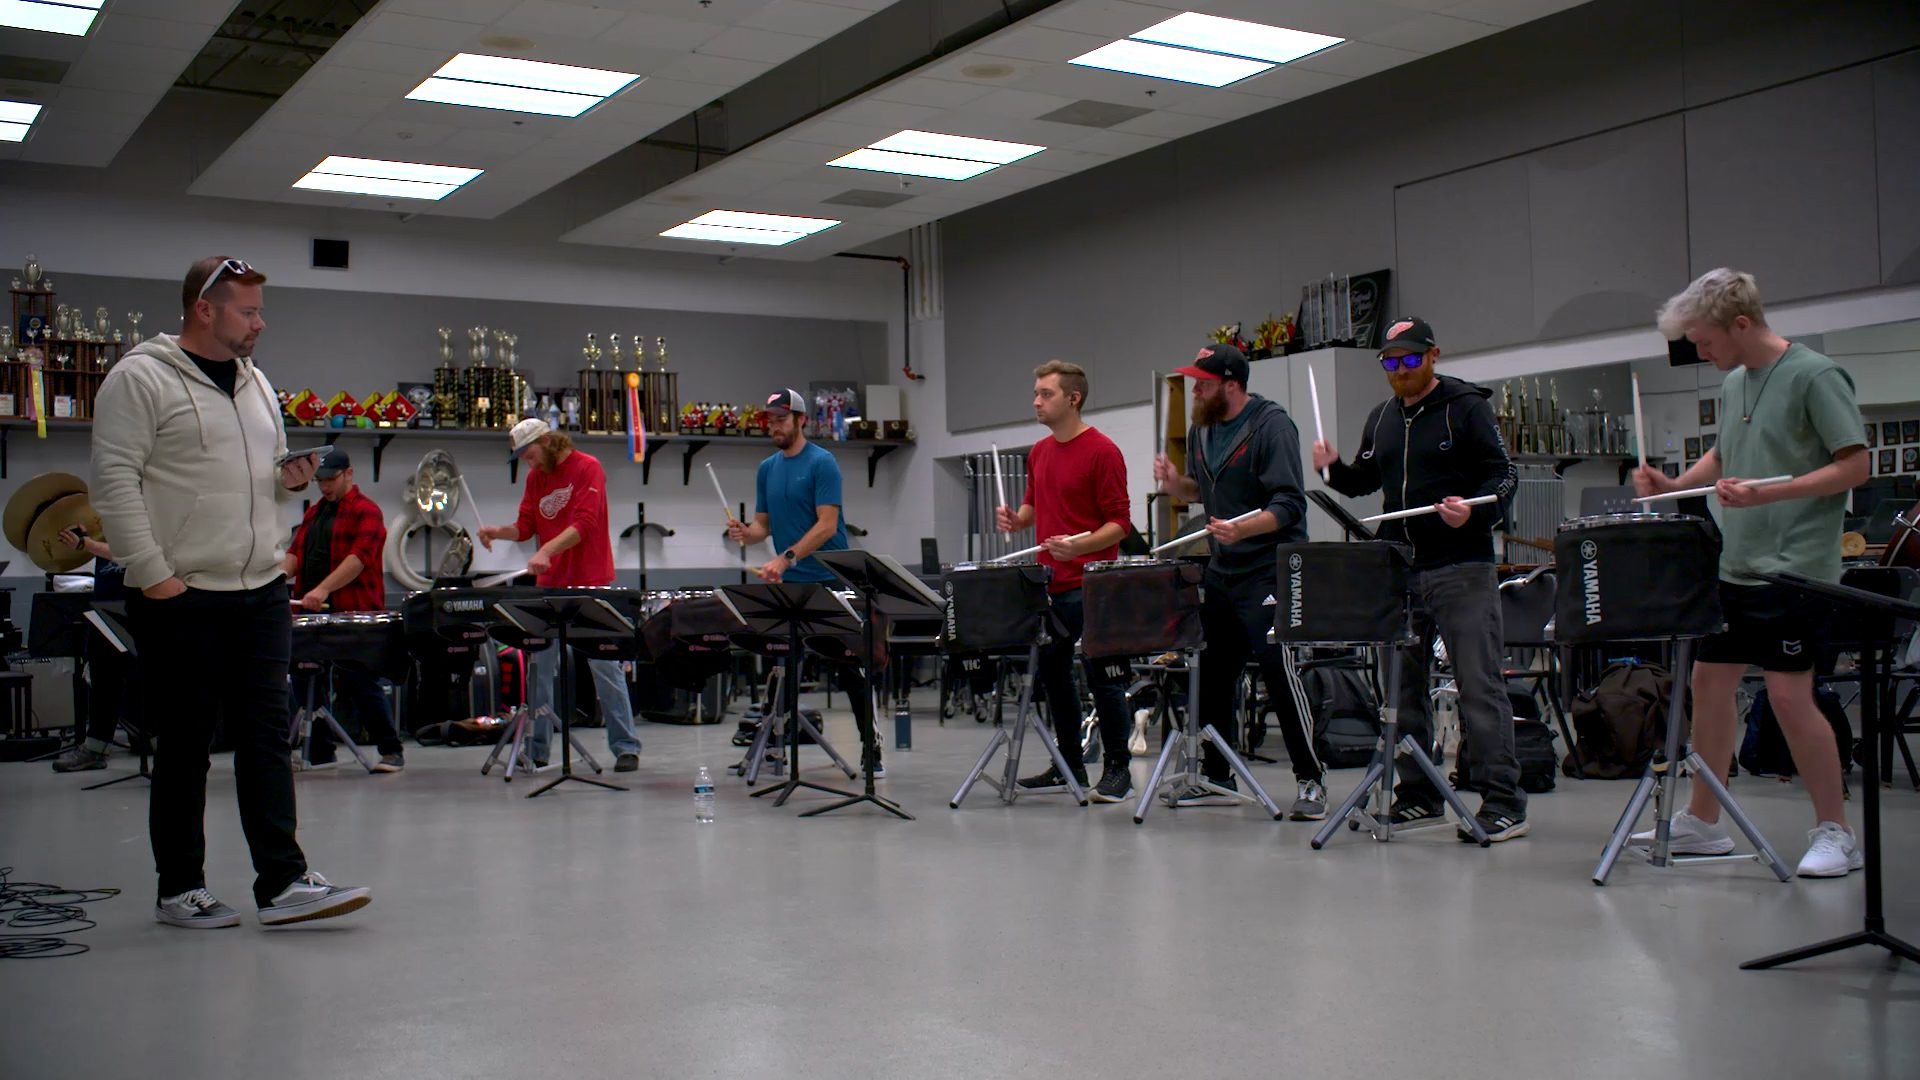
x=1590, y=580
x=1294, y=561
x=463, y=605
x=1295, y=579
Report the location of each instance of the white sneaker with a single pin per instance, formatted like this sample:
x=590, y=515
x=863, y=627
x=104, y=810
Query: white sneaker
x=313, y=897
x=1832, y=851
x=1137, y=744
x=1690, y=836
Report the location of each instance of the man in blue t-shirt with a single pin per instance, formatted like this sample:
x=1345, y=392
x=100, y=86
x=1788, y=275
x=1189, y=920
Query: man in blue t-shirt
x=796, y=496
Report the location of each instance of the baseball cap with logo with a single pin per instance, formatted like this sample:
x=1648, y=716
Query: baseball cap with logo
x=1409, y=334
x=1217, y=362
x=525, y=434
x=332, y=463
x=786, y=401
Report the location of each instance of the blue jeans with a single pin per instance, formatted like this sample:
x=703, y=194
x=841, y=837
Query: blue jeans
x=609, y=684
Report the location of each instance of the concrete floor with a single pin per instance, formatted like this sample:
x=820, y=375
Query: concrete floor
x=594, y=934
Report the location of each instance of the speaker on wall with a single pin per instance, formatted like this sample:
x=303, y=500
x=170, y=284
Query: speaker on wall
x=329, y=254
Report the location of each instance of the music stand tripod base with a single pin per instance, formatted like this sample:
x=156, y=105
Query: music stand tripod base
x=1657, y=783
x=1027, y=718
x=303, y=721
x=1181, y=765
x=558, y=618
x=1379, y=778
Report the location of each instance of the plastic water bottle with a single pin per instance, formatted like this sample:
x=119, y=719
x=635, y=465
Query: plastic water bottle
x=703, y=797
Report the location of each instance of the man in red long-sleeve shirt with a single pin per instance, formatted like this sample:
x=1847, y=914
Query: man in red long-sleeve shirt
x=564, y=507
x=1077, y=502
x=335, y=564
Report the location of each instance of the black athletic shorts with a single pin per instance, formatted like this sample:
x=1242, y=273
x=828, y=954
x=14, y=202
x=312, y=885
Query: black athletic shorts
x=1766, y=626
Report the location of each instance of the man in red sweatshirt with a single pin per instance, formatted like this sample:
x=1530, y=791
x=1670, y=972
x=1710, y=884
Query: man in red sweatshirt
x=564, y=507
x=1077, y=502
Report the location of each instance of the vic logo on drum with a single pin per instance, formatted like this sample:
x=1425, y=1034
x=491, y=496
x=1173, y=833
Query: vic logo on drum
x=1294, y=580
x=1590, y=579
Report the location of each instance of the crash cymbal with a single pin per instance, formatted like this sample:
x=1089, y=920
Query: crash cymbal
x=34, y=496
x=1852, y=545
x=43, y=540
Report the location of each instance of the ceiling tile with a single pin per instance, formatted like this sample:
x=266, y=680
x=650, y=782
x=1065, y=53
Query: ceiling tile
x=1289, y=82
x=566, y=20
x=151, y=33
x=467, y=11
x=1341, y=18
x=368, y=55
x=395, y=28
x=1225, y=105
x=1509, y=12
x=885, y=113
x=1166, y=125
x=1045, y=44
x=1431, y=33
x=743, y=43
x=714, y=70
x=660, y=32
x=1111, y=19
x=807, y=19
x=1017, y=103
x=937, y=93
x=661, y=91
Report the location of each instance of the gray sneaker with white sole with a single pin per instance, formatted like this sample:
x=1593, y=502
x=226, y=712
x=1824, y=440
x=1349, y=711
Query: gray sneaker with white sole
x=195, y=909
x=313, y=897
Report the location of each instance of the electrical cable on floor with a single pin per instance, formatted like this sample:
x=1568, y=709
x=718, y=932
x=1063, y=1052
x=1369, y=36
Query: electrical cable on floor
x=48, y=910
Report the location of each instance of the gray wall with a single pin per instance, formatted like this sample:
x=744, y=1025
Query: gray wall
x=359, y=342
x=1554, y=180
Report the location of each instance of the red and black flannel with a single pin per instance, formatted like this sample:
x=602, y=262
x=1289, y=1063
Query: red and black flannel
x=358, y=529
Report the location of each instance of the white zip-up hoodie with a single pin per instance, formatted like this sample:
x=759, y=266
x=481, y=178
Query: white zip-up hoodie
x=184, y=477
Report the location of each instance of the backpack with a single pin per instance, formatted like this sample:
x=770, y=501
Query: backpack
x=1620, y=723
x=1345, y=715
x=1763, y=750
x=1532, y=744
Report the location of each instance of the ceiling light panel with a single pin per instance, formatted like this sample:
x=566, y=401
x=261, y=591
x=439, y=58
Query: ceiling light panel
x=935, y=144
x=744, y=227
x=1234, y=37
x=724, y=235
x=514, y=85
x=1168, y=62
x=74, y=17
x=391, y=179
x=890, y=161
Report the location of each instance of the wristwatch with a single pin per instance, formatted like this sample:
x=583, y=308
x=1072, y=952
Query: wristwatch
x=790, y=556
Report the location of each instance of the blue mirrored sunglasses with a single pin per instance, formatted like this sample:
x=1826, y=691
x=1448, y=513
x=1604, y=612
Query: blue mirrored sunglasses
x=1409, y=361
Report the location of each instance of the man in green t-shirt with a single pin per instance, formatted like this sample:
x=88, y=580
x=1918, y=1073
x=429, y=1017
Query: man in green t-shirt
x=1785, y=410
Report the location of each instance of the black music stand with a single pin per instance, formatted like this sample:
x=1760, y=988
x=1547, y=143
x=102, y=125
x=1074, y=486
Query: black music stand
x=1870, y=615
x=566, y=619
x=1349, y=525
x=887, y=587
x=794, y=611
x=118, y=638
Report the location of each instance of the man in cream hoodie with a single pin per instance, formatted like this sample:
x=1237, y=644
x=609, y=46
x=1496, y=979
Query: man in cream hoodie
x=186, y=448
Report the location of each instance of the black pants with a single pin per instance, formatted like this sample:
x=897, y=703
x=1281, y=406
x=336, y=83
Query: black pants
x=1235, y=616
x=357, y=695
x=1106, y=678
x=208, y=657
x=853, y=682
x=109, y=675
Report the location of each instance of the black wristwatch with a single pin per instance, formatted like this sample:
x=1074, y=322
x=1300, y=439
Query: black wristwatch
x=790, y=557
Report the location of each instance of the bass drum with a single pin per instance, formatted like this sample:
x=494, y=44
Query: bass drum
x=1903, y=547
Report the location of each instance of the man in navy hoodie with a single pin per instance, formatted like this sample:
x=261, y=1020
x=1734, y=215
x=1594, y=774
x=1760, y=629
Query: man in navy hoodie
x=1435, y=443
x=1243, y=456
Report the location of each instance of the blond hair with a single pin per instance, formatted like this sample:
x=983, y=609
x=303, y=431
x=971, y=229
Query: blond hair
x=557, y=442
x=1717, y=297
x=1073, y=378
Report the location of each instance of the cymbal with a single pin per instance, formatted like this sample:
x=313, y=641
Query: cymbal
x=1852, y=545
x=43, y=540
x=34, y=496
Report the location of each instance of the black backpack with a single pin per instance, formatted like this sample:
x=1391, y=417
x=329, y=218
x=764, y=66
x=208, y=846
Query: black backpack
x=1620, y=722
x=1345, y=715
x=1763, y=750
x=1532, y=744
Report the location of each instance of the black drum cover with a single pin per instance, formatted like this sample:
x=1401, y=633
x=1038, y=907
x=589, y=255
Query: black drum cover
x=1341, y=592
x=851, y=648
x=693, y=624
x=1141, y=608
x=994, y=609
x=1635, y=577
x=374, y=640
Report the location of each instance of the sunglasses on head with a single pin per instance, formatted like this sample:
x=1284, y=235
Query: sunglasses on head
x=1410, y=361
x=234, y=267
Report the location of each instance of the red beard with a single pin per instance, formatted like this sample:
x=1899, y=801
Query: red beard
x=1409, y=384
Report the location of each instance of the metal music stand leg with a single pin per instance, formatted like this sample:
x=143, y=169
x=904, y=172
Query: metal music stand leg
x=1013, y=739
x=764, y=731
x=510, y=734
x=1188, y=746
x=1658, y=783
x=145, y=773
x=567, y=741
x=820, y=739
x=869, y=732
x=791, y=688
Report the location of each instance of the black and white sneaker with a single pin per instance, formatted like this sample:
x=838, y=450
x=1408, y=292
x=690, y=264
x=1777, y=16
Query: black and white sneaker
x=78, y=759
x=195, y=909
x=1497, y=824
x=1310, y=804
x=1413, y=813
x=390, y=763
x=1206, y=796
x=1116, y=785
x=313, y=897
x=1046, y=781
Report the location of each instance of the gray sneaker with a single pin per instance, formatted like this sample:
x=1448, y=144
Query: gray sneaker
x=78, y=759
x=390, y=763
x=195, y=909
x=313, y=897
x=1311, y=802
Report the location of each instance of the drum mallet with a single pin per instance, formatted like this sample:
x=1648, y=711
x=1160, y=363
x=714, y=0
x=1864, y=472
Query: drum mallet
x=725, y=506
x=1200, y=533
x=1035, y=549
x=1688, y=493
x=1477, y=500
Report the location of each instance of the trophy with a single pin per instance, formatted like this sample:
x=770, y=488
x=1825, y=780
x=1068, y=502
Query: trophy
x=476, y=397
x=6, y=342
x=32, y=270
x=592, y=403
x=102, y=323
x=134, y=318
x=63, y=321
x=440, y=412
x=613, y=346
x=660, y=390
x=505, y=393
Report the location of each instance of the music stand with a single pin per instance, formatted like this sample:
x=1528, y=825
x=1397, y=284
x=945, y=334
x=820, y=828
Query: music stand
x=1350, y=525
x=884, y=587
x=792, y=610
x=117, y=636
x=567, y=619
x=1870, y=615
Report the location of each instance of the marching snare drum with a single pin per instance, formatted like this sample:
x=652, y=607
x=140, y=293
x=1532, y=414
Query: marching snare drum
x=1635, y=577
x=1341, y=593
x=690, y=640
x=1141, y=605
x=373, y=639
x=994, y=609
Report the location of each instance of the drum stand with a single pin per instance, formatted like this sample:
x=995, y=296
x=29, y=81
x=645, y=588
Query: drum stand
x=513, y=740
x=1658, y=783
x=1027, y=717
x=300, y=729
x=1187, y=746
x=769, y=729
x=1379, y=778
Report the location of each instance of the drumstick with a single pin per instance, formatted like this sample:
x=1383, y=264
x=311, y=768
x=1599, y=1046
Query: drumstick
x=1689, y=493
x=999, y=476
x=1477, y=500
x=725, y=506
x=1319, y=431
x=1639, y=431
x=1197, y=534
x=1035, y=549
x=494, y=580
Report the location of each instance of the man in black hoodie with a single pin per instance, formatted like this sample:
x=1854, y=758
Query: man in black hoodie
x=1435, y=443
x=1243, y=455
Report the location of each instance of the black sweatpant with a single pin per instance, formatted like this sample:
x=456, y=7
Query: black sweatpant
x=1235, y=616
